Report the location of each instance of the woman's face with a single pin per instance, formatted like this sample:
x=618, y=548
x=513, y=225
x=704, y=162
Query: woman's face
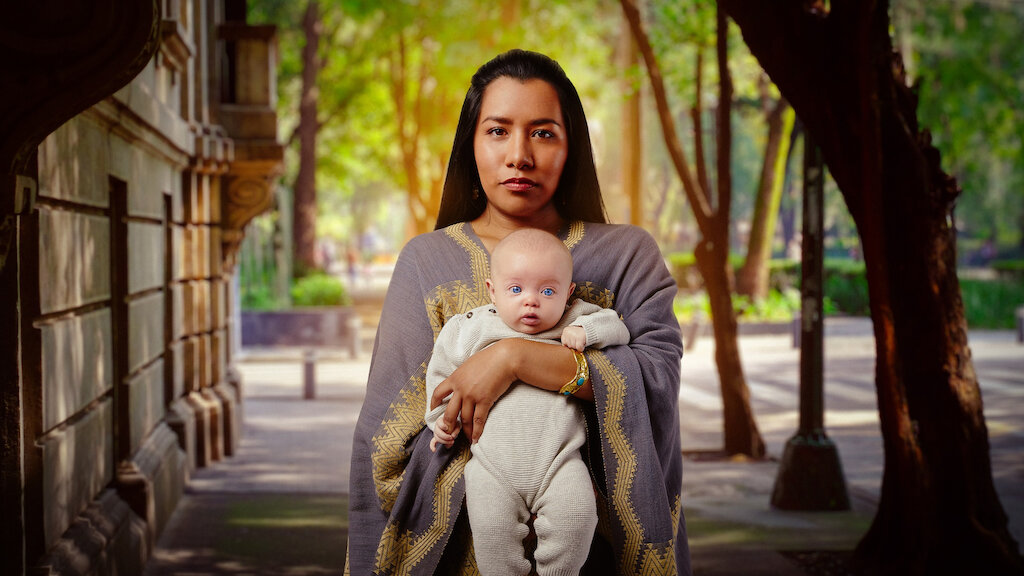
x=521, y=146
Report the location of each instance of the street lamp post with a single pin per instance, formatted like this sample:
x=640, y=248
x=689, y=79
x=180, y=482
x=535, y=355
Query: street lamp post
x=810, y=476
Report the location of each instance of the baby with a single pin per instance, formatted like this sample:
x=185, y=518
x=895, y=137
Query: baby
x=527, y=460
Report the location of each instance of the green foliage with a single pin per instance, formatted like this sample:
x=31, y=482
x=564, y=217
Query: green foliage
x=966, y=63
x=1011, y=270
x=259, y=297
x=779, y=306
x=319, y=290
x=991, y=304
x=846, y=285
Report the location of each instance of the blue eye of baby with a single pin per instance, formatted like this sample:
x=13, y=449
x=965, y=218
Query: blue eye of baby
x=516, y=290
x=548, y=292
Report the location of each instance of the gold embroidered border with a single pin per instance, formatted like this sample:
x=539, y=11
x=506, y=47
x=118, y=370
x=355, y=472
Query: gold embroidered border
x=590, y=292
x=625, y=470
x=479, y=262
x=401, y=550
x=575, y=235
x=402, y=421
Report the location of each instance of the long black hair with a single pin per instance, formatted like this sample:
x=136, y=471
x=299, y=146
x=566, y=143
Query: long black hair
x=578, y=196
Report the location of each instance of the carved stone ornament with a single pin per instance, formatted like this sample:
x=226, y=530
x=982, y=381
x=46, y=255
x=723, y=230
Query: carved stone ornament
x=249, y=194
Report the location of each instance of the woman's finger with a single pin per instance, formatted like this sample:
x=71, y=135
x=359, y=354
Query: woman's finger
x=479, y=418
x=451, y=413
x=443, y=389
x=468, y=412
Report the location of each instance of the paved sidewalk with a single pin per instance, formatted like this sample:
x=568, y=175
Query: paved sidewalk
x=277, y=506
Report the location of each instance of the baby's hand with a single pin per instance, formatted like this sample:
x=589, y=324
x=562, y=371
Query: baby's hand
x=442, y=436
x=574, y=337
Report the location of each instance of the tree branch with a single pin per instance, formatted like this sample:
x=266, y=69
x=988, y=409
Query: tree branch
x=694, y=193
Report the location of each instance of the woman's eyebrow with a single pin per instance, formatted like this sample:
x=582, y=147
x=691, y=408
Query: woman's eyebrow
x=537, y=122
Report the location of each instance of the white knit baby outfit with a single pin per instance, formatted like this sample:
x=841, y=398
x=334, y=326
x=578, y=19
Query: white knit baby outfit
x=527, y=460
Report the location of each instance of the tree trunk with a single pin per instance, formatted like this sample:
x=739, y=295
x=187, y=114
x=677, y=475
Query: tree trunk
x=632, y=153
x=939, y=511
x=712, y=253
x=753, y=276
x=304, y=217
x=739, y=425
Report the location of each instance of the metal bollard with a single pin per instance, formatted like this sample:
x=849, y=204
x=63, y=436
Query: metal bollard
x=309, y=375
x=354, y=323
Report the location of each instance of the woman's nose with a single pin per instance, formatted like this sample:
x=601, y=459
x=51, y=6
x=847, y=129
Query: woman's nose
x=519, y=155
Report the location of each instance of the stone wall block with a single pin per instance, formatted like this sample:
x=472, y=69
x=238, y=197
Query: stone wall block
x=76, y=350
x=107, y=538
x=78, y=461
x=216, y=252
x=181, y=419
x=84, y=179
x=178, y=330
x=178, y=267
x=205, y=359
x=204, y=307
x=154, y=480
x=188, y=253
x=188, y=307
x=218, y=304
x=146, y=403
x=203, y=252
x=178, y=362
x=191, y=364
x=203, y=416
x=146, y=253
x=145, y=330
x=217, y=425
x=74, y=262
x=218, y=356
x=232, y=418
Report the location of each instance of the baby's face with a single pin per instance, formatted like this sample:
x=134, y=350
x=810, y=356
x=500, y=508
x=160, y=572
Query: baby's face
x=530, y=290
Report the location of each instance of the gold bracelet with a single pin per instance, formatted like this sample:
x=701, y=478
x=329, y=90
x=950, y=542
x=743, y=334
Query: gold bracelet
x=581, y=377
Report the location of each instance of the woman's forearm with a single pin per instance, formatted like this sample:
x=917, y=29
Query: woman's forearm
x=543, y=365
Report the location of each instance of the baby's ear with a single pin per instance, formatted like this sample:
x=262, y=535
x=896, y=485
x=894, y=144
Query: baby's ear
x=490, y=289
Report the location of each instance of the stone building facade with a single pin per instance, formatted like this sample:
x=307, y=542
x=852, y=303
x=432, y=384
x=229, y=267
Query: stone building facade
x=137, y=139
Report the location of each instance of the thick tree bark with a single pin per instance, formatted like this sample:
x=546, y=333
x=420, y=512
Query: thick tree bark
x=712, y=252
x=939, y=512
x=752, y=279
x=304, y=218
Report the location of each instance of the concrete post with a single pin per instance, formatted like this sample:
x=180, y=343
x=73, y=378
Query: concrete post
x=309, y=375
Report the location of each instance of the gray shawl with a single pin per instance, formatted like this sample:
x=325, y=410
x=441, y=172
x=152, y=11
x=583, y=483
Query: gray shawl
x=406, y=504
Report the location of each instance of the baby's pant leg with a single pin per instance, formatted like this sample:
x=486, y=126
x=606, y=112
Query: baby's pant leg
x=497, y=517
x=566, y=520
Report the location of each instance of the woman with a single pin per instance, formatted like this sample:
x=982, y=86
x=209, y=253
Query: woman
x=521, y=159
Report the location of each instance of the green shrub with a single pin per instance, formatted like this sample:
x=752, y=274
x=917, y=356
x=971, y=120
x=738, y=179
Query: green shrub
x=846, y=285
x=258, y=297
x=991, y=304
x=319, y=290
x=1009, y=269
x=779, y=306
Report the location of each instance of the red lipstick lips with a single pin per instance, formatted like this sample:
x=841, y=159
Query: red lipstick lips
x=518, y=184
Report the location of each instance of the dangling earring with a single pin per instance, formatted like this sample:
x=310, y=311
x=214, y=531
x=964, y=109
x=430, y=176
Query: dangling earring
x=476, y=193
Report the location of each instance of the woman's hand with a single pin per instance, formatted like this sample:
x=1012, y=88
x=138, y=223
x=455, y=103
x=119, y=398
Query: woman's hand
x=476, y=386
x=485, y=376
